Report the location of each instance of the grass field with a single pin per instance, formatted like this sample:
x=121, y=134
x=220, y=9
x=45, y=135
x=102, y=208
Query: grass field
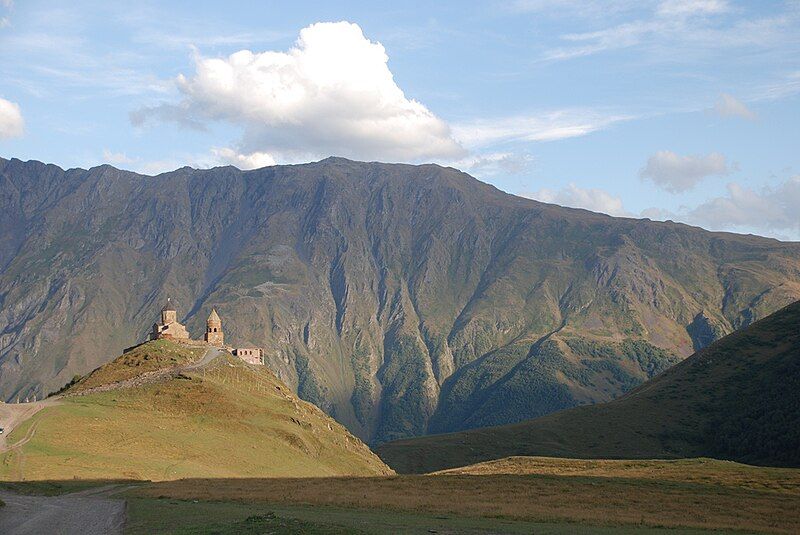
x=221, y=518
x=687, y=494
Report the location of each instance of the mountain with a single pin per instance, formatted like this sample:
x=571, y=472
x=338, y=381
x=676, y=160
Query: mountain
x=167, y=411
x=400, y=299
x=736, y=399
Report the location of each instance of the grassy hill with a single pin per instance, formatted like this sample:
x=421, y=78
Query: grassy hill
x=737, y=399
x=150, y=415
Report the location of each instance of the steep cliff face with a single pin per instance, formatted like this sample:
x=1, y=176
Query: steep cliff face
x=401, y=299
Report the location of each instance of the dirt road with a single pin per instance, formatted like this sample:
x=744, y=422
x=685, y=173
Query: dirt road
x=91, y=512
x=210, y=354
x=13, y=414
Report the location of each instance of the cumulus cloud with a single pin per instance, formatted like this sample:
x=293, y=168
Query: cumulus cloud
x=254, y=160
x=332, y=93
x=730, y=106
x=675, y=173
x=772, y=208
x=11, y=122
x=596, y=200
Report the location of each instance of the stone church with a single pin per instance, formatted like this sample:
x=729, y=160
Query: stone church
x=170, y=328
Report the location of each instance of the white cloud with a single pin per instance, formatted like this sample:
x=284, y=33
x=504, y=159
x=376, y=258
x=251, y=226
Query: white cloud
x=4, y=22
x=11, y=122
x=682, y=30
x=333, y=93
x=546, y=126
x=772, y=208
x=585, y=8
x=494, y=163
x=117, y=158
x=658, y=214
x=675, y=173
x=692, y=7
x=596, y=200
x=254, y=160
x=730, y=106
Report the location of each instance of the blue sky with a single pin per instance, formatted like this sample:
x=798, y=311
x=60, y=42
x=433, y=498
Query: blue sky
x=669, y=109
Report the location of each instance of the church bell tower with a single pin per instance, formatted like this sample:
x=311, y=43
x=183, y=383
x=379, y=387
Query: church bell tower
x=214, y=334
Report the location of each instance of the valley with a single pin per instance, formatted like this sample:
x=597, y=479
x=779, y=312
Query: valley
x=736, y=399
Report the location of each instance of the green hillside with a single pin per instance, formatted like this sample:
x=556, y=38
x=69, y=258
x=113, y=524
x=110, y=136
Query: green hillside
x=150, y=415
x=737, y=399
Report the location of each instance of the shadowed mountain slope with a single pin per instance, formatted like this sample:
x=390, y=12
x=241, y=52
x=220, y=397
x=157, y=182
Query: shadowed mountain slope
x=400, y=299
x=153, y=414
x=736, y=399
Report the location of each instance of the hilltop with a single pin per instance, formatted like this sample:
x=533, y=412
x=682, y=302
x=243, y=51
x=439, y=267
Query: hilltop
x=166, y=410
x=400, y=299
x=737, y=399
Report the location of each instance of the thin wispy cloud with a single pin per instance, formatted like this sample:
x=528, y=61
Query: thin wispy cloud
x=549, y=125
x=679, y=30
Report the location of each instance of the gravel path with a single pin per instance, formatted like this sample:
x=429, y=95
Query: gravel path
x=13, y=414
x=90, y=512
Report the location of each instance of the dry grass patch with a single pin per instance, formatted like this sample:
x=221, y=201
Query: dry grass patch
x=635, y=493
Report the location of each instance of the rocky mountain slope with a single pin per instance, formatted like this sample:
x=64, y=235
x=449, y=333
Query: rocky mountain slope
x=736, y=399
x=164, y=411
x=400, y=299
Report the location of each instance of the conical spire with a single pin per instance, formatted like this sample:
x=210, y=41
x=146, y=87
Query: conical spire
x=214, y=317
x=168, y=306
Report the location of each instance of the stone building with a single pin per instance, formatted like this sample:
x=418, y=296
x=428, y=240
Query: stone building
x=169, y=327
x=251, y=355
x=214, y=334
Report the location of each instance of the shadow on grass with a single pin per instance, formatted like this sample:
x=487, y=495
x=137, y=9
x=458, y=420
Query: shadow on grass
x=498, y=503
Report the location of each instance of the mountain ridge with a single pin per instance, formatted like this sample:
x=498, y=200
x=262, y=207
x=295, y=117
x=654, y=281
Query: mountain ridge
x=401, y=299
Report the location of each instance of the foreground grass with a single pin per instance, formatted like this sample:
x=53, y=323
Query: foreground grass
x=688, y=494
x=515, y=495
x=181, y=517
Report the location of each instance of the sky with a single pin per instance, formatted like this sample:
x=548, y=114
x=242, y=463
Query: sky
x=687, y=110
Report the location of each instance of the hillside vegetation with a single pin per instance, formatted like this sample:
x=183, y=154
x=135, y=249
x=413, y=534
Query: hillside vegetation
x=225, y=419
x=400, y=299
x=737, y=399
